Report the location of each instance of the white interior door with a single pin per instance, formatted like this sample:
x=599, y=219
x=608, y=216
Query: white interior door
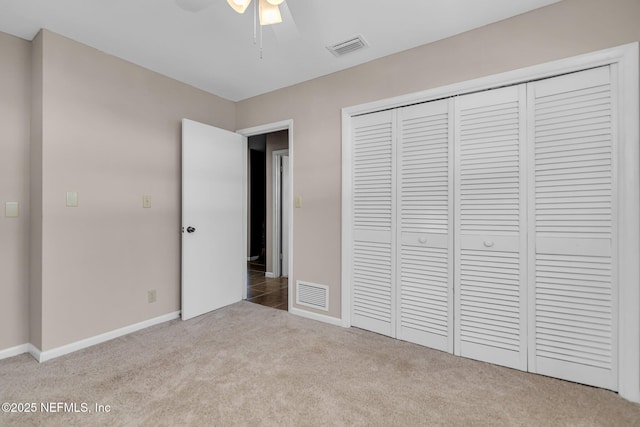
x=425, y=224
x=573, y=286
x=373, y=223
x=213, y=266
x=490, y=227
x=286, y=203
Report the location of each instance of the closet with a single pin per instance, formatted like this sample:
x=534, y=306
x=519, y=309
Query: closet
x=484, y=225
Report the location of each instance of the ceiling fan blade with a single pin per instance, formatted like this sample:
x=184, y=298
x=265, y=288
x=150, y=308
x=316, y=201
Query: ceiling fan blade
x=239, y=5
x=288, y=30
x=194, y=5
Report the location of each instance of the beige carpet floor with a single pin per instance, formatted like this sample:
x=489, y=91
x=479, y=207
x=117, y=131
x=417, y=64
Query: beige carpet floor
x=255, y=366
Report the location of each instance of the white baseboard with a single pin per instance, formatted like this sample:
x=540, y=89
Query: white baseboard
x=270, y=275
x=43, y=356
x=34, y=351
x=315, y=316
x=14, y=351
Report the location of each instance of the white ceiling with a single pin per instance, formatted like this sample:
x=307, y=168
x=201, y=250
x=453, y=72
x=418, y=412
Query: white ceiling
x=213, y=49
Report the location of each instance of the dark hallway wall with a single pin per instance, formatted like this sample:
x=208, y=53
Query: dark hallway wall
x=257, y=196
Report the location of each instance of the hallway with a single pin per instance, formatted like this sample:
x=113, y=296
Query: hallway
x=266, y=291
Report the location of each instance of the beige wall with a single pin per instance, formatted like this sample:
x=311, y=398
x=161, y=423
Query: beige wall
x=111, y=132
x=15, y=83
x=561, y=30
x=275, y=141
x=35, y=196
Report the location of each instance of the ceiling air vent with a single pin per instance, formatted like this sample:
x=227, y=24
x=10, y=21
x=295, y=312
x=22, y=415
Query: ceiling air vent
x=348, y=46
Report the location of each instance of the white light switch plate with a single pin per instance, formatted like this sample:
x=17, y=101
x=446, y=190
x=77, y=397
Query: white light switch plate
x=146, y=201
x=72, y=199
x=298, y=201
x=11, y=209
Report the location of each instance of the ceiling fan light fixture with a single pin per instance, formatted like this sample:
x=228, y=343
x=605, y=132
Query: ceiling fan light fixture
x=275, y=2
x=269, y=13
x=239, y=5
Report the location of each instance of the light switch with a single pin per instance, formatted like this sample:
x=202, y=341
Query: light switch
x=72, y=199
x=11, y=209
x=298, y=201
x=146, y=201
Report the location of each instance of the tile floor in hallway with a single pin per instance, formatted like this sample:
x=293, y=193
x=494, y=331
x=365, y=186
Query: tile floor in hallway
x=265, y=291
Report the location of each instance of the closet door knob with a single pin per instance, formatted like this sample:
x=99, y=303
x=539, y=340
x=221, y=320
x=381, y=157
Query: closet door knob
x=488, y=243
x=422, y=239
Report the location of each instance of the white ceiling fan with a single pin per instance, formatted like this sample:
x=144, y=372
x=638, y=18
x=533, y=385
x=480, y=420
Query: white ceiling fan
x=267, y=10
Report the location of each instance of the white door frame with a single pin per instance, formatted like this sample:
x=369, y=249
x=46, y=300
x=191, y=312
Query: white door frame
x=627, y=59
x=260, y=130
x=276, y=198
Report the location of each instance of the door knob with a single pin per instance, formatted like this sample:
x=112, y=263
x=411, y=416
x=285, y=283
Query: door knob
x=190, y=229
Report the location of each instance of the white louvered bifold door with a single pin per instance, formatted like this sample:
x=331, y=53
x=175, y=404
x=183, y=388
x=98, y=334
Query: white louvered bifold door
x=373, y=223
x=490, y=227
x=572, y=259
x=425, y=218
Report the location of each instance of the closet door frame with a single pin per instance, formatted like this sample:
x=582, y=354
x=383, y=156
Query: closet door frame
x=627, y=59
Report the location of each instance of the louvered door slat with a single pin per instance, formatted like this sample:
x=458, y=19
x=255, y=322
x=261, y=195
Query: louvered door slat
x=572, y=186
x=490, y=240
x=372, y=305
x=424, y=209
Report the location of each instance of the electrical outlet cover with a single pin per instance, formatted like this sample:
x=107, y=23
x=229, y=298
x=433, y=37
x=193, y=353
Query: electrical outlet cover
x=72, y=199
x=11, y=209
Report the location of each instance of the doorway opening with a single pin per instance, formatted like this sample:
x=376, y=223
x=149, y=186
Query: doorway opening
x=268, y=225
